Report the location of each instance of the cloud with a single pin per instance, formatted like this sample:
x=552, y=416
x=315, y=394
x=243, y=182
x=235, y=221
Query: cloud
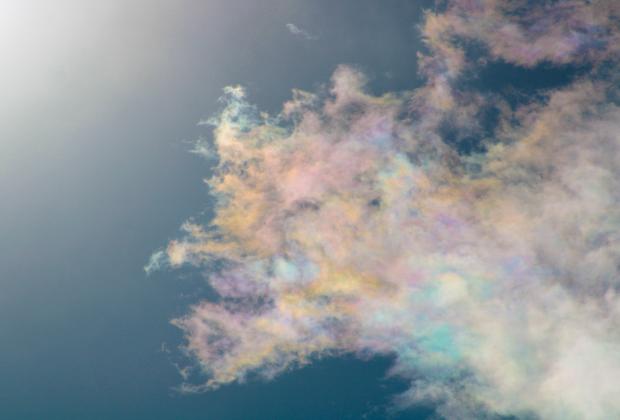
x=348, y=225
x=297, y=31
x=570, y=31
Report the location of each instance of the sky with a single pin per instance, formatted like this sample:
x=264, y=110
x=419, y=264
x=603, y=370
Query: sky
x=297, y=210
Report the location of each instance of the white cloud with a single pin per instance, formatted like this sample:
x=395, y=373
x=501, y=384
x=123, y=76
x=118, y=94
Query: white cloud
x=297, y=31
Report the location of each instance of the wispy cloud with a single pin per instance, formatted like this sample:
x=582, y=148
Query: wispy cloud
x=348, y=225
x=297, y=31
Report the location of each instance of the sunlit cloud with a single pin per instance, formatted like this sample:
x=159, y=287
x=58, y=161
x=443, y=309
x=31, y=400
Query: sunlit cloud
x=347, y=225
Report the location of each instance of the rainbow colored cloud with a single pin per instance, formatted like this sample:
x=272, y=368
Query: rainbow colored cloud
x=347, y=225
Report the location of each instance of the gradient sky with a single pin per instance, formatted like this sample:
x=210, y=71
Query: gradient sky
x=100, y=103
x=448, y=202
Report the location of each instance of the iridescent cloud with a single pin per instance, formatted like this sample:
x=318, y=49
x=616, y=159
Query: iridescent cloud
x=347, y=225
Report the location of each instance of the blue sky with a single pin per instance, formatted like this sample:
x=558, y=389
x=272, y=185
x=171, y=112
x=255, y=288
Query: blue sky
x=95, y=174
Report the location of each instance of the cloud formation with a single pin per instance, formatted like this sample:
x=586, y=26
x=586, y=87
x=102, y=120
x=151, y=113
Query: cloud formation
x=297, y=31
x=347, y=224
